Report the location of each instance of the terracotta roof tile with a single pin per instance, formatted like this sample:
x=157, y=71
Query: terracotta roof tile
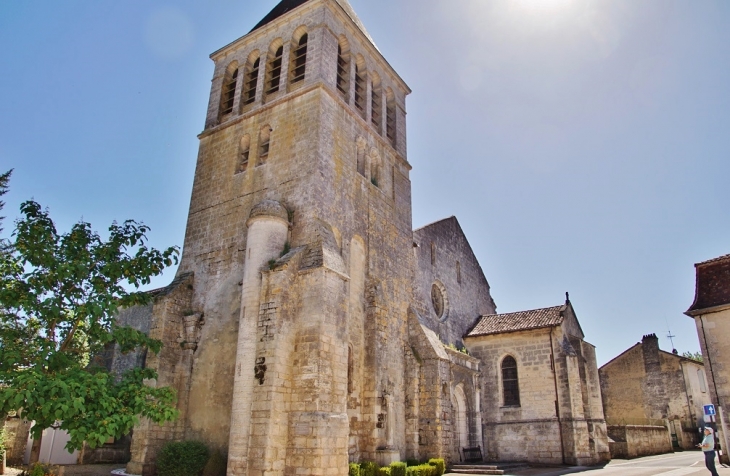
x=714, y=260
x=518, y=321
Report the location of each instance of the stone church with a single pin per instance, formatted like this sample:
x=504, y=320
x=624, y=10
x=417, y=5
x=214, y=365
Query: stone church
x=308, y=325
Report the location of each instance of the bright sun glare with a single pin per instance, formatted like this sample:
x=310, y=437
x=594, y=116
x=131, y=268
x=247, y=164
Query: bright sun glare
x=544, y=6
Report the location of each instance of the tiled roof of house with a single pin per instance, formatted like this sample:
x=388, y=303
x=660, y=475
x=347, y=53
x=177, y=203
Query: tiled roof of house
x=714, y=260
x=712, y=287
x=518, y=321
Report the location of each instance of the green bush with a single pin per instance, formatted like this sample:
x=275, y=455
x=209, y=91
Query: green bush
x=216, y=465
x=421, y=470
x=368, y=468
x=384, y=471
x=397, y=469
x=183, y=458
x=440, y=465
x=354, y=469
x=412, y=462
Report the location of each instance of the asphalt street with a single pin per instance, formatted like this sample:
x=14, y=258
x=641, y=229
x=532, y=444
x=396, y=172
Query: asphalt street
x=689, y=463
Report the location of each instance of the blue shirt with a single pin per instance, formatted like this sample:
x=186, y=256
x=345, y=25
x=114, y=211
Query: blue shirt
x=708, y=443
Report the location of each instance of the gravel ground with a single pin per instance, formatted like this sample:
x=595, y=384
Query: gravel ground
x=75, y=470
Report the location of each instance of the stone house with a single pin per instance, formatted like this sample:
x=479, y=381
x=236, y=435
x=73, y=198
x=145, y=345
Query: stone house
x=308, y=324
x=645, y=386
x=542, y=400
x=711, y=312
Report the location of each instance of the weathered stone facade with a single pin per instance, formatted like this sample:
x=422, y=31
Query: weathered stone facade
x=557, y=417
x=645, y=383
x=711, y=312
x=308, y=325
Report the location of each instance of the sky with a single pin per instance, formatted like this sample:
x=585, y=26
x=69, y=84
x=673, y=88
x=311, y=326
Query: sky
x=583, y=145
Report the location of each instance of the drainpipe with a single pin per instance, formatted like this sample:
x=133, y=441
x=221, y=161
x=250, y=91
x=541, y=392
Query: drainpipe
x=557, y=401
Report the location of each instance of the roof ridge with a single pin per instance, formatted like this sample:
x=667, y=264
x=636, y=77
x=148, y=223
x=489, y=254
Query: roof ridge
x=525, y=311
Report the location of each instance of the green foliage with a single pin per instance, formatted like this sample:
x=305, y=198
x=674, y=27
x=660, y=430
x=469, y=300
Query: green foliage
x=440, y=465
x=398, y=469
x=368, y=468
x=216, y=465
x=354, y=469
x=412, y=462
x=421, y=470
x=3, y=439
x=697, y=356
x=38, y=469
x=183, y=458
x=59, y=294
x=286, y=250
x=4, y=180
x=384, y=471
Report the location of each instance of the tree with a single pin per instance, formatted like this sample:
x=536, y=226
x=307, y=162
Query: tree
x=4, y=179
x=59, y=294
x=693, y=355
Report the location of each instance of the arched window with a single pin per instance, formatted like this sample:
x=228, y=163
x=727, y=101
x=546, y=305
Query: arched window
x=390, y=120
x=273, y=70
x=250, y=81
x=264, y=144
x=361, y=157
x=510, y=384
x=376, y=104
x=244, y=151
x=374, y=168
x=228, y=90
x=299, y=59
x=360, y=88
x=343, y=68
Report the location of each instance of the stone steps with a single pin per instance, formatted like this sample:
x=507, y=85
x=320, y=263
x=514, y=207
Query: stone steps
x=486, y=468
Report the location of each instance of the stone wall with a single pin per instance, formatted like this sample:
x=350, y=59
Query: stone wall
x=635, y=441
x=17, y=430
x=445, y=259
x=645, y=383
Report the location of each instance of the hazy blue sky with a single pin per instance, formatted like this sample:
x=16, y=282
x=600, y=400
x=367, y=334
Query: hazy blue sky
x=583, y=145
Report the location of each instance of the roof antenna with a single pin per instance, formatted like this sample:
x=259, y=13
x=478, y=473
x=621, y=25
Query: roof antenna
x=567, y=298
x=671, y=337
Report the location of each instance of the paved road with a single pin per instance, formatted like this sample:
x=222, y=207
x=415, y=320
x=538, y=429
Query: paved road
x=689, y=463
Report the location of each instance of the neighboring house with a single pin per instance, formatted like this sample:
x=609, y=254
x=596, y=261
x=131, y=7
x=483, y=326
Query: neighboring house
x=541, y=400
x=711, y=312
x=645, y=386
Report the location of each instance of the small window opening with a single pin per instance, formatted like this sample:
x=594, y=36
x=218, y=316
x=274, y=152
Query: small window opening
x=701, y=377
x=343, y=72
x=433, y=254
x=458, y=272
x=375, y=171
x=376, y=107
x=360, y=91
x=361, y=160
x=251, y=82
x=264, y=144
x=244, y=154
x=510, y=384
x=299, y=60
x=229, y=92
x=349, y=370
x=274, y=75
x=390, y=123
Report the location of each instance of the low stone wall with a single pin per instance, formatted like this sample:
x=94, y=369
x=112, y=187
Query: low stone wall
x=634, y=441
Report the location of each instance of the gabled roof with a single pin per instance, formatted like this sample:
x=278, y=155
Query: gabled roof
x=712, y=288
x=519, y=321
x=285, y=6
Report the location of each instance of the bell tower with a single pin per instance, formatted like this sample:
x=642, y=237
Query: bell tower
x=299, y=250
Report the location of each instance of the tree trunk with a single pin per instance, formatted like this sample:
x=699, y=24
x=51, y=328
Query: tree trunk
x=35, y=450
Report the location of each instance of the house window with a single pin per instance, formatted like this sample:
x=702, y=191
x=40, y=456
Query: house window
x=390, y=119
x=273, y=74
x=299, y=60
x=251, y=82
x=343, y=70
x=376, y=105
x=264, y=144
x=229, y=89
x=510, y=385
x=244, y=151
x=360, y=91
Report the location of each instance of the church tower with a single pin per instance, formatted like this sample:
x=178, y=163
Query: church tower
x=296, y=275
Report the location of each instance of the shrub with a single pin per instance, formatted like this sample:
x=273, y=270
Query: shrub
x=398, y=469
x=183, y=458
x=384, y=471
x=412, y=462
x=421, y=470
x=217, y=465
x=368, y=468
x=440, y=465
x=354, y=469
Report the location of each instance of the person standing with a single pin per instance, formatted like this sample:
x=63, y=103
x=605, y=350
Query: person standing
x=708, y=447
